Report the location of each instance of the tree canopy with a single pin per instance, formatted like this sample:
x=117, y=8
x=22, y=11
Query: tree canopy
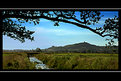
x=15, y=30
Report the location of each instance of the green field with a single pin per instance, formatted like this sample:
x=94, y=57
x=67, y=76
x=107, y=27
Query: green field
x=16, y=61
x=62, y=61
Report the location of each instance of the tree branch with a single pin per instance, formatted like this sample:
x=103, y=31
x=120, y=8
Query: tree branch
x=53, y=19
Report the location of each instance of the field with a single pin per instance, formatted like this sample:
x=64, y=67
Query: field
x=62, y=61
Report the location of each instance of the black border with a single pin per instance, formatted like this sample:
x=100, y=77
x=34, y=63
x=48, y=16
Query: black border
x=119, y=39
x=1, y=60
x=60, y=4
x=62, y=70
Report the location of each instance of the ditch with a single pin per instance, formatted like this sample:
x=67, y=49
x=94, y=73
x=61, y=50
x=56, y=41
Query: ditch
x=39, y=65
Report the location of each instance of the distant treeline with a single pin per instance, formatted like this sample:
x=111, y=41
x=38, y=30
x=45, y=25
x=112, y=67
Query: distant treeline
x=74, y=48
x=19, y=50
x=110, y=51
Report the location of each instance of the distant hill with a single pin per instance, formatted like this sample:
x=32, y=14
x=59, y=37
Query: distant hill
x=83, y=47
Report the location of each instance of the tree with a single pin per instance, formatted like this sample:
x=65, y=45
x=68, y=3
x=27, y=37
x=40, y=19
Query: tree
x=38, y=50
x=14, y=29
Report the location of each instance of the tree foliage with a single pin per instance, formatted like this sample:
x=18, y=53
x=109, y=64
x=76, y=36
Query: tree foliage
x=38, y=50
x=14, y=29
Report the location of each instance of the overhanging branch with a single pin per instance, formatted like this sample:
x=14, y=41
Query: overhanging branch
x=55, y=19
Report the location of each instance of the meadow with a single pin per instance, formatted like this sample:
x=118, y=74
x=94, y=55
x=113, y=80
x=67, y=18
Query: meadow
x=16, y=61
x=62, y=61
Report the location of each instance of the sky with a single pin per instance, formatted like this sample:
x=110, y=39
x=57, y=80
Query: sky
x=47, y=35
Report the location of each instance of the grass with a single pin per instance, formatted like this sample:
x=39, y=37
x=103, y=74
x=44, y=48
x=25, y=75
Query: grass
x=17, y=61
x=80, y=61
x=63, y=61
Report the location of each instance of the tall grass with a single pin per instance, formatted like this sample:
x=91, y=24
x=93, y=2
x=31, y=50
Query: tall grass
x=80, y=61
x=17, y=61
x=63, y=61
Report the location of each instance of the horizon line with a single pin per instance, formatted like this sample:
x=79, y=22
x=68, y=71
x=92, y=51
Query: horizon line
x=56, y=46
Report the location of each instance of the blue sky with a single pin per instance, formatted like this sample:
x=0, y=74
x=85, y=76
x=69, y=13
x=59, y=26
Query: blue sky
x=47, y=35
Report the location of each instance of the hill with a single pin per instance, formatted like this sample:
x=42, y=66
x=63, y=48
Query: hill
x=83, y=47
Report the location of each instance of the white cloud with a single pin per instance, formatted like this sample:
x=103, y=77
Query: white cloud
x=61, y=32
x=44, y=20
x=101, y=22
x=104, y=18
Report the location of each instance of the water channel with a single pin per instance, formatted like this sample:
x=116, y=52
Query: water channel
x=39, y=64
